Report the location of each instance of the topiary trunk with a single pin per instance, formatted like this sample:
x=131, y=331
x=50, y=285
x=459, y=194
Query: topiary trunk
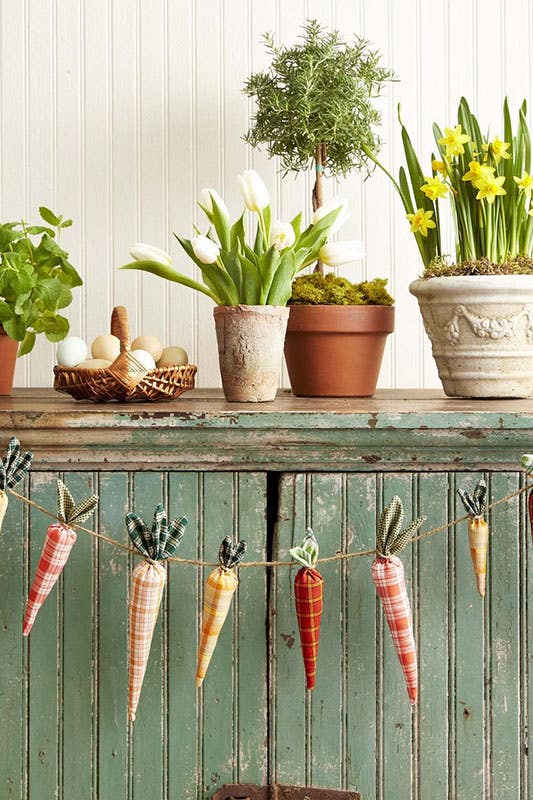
x=318, y=188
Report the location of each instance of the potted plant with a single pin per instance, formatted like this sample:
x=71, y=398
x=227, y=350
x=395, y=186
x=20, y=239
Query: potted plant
x=315, y=106
x=477, y=308
x=249, y=280
x=36, y=279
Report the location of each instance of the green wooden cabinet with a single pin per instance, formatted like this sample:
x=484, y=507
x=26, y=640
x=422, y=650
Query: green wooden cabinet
x=263, y=473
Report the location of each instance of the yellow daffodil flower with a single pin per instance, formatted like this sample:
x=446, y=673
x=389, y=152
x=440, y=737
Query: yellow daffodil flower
x=489, y=188
x=530, y=212
x=498, y=149
x=434, y=188
x=525, y=183
x=454, y=140
x=421, y=221
x=477, y=172
x=438, y=166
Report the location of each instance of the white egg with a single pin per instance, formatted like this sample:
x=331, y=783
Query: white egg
x=106, y=346
x=146, y=359
x=151, y=344
x=173, y=356
x=71, y=351
x=95, y=363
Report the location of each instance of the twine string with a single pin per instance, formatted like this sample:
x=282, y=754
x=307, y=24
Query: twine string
x=244, y=565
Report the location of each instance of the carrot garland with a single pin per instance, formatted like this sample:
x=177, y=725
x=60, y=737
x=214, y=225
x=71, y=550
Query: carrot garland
x=147, y=583
x=220, y=587
x=309, y=600
x=389, y=580
x=13, y=468
x=478, y=531
x=58, y=543
x=527, y=464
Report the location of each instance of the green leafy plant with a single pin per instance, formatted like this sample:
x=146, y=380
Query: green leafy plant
x=317, y=289
x=36, y=279
x=237, y=271
x=486, y=184
x=316, y=104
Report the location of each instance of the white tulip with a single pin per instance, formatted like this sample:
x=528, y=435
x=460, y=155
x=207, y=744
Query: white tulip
x=147, y=252
x=206, y=200
x=334, y=254
x=205, y=249
x=327, y=208
x=281, y=235
x=254, y=191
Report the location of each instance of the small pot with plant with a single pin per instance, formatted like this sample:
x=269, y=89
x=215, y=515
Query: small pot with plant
x=315, y=105
x=477, y=308
x=249, y=280
x=36, y=279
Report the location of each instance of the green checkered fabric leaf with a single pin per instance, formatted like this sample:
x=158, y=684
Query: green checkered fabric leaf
x=15, y=465
x=390, y=537
x=160, y=542
x=474, y=504
x=70, y=513
x=230, y=554
x=307, y=554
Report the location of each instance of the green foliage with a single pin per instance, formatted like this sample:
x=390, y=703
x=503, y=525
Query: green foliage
x=321, y=90
x=36, y=279
x=318, y=289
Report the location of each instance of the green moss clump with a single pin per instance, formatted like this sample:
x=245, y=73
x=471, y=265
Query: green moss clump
x=441, y=268
x=321, y=290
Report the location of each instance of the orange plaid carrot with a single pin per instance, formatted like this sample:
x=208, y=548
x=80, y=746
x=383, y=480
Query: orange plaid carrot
x=389, y=580
x=219, y=590
x=13, y=468
x=309, y=599
x=478, y=532
x=147, y=583
x=58, y=543
x=527, y=464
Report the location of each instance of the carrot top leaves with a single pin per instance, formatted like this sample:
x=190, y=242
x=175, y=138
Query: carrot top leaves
x=14, y=466
x=230, y=554
x=162, y=540
x=390, y=537
x=474, y=504
x=307, y=553
x=67, y=511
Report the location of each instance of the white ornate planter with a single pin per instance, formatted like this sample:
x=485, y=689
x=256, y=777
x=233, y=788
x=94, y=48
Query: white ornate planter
x=481, y=331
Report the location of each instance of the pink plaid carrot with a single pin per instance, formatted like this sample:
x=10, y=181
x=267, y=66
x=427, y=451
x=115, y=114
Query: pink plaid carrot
x=389, y=580
x=58, y=543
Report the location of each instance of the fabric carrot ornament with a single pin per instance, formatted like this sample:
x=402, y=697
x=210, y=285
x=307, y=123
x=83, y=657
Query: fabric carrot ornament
x=220, y=587
x=147, y=583
x=478, y=531
x=13, y=467
x=389, y=580
x=309, y=600
x=58, y=543
x=527, y=464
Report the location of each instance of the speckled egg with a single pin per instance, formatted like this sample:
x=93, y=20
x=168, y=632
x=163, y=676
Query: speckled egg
x=106, y=346
x=151, y=344
x=173, y=356
x=95, y=363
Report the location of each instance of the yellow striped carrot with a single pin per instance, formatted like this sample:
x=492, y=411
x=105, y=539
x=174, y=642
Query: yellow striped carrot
x=13, y=467
x=147, y=583
x=478, y=532
x=219, y=589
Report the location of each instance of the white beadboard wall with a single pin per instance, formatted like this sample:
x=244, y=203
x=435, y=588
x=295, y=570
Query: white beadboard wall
x=117, y=112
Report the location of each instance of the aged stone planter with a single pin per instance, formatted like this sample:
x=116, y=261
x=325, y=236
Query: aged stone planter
x=8, y=358
x=481, y=331
x=250, y=346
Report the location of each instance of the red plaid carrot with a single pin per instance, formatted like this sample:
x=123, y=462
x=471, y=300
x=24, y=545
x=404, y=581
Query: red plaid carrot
x=389, y=580
x=220, y=587
x=147, y=583
x=309, y=600
x=58, y=543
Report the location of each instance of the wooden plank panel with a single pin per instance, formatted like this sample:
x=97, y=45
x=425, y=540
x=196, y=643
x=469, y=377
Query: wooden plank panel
x=13, y=680
x=112, y=579
x=79, y=654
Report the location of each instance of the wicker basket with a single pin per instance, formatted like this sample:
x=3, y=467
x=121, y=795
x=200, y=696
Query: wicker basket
x=126, y=378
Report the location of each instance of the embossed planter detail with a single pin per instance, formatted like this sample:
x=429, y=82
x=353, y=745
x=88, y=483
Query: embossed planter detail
x=481, y=331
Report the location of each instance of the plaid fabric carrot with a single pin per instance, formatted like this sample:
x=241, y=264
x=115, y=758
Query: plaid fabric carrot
x=389, y=580
x=147, y=583
x=58, y=543
x=220, y=587
x=309, y=600
x=527, y=464
x=478, y=532
x=13, y=467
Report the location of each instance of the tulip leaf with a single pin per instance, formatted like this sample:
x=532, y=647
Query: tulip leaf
x=170, y=274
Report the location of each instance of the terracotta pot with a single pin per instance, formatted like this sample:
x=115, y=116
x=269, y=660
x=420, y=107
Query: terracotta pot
x=8, y=358
x=250, y=347
x=336, y=351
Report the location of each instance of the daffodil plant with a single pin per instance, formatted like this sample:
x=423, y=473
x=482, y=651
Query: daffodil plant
x=260, y=271
x=485, y=182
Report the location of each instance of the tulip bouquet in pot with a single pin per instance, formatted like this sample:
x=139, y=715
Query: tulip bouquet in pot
x=477, y=303
x=250, y=280
x=315, y=107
